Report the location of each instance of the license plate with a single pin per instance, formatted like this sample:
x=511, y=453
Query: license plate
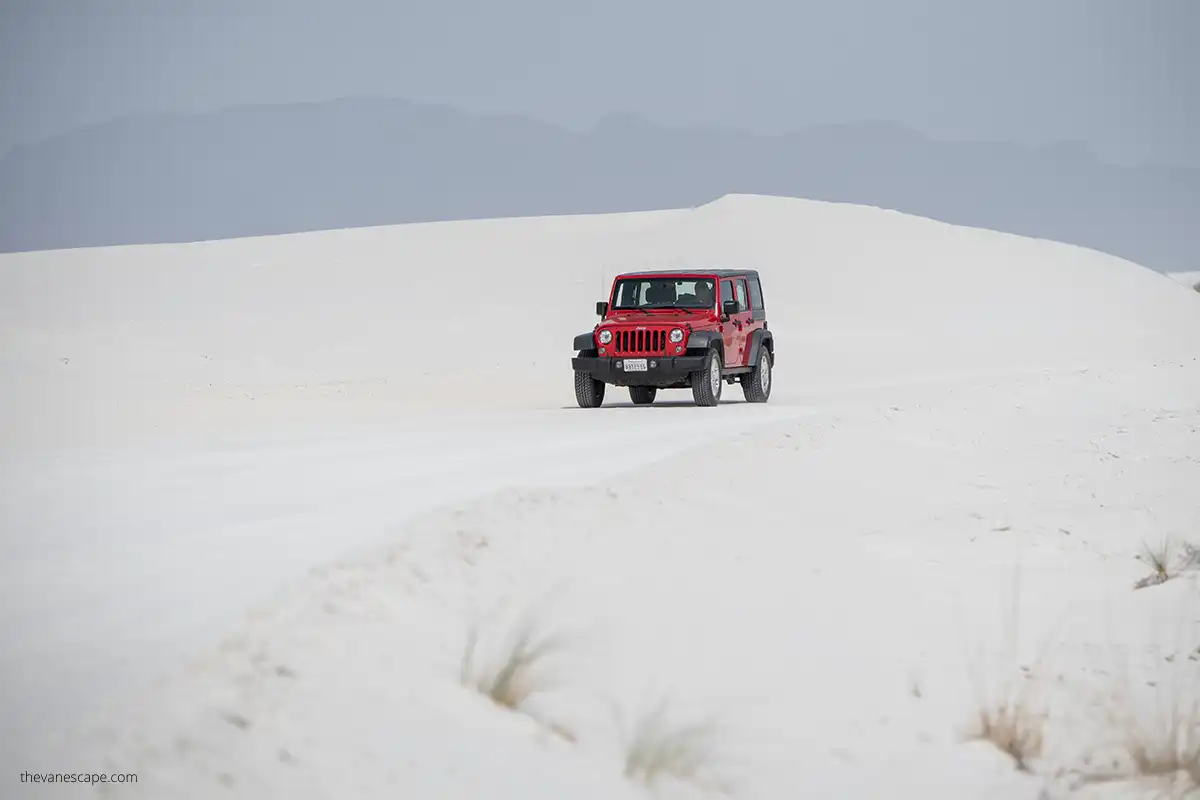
x=635, y=365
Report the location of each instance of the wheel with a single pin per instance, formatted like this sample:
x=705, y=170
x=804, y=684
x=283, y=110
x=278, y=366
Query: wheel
x=642, y=395
x=589, y=392
x=757, y=385
x=706, y=381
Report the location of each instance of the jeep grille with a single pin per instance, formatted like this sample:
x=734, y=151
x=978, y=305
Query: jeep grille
x=649, y=342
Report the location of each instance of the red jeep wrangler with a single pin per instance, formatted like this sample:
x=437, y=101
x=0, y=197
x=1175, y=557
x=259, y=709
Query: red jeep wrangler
x=678, y=330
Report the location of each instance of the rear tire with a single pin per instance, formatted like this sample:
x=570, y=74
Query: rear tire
x=707, y=382
x=589, y=392
x=757, y=384
x=642, y=395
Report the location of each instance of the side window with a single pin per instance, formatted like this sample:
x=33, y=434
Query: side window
x=741, y=295
x=726, y=292
x=756, y=300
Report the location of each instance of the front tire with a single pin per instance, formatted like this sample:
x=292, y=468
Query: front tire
x=642, y=395
x=706, y=381
x=757, y=385
x=589, y=392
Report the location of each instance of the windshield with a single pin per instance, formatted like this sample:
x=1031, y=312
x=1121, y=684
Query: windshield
x=666, y=292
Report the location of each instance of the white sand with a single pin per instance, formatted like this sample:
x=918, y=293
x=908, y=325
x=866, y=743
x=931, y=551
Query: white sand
x=254, y=492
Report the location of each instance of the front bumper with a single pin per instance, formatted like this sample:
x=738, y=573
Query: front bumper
x=661, y=371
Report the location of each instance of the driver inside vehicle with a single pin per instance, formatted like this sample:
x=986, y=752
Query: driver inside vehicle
x=660, y=293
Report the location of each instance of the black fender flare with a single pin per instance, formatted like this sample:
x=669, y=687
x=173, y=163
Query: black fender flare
x=700, y=341
x=761, y=338
x=585, y=341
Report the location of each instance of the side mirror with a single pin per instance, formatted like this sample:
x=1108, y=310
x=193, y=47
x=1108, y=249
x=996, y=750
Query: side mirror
x=729, y=308
x=601, y=308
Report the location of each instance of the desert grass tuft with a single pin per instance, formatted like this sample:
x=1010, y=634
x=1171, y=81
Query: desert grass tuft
x=1171, y=559
x=1013, y=716
x=1160, y=559
x=1147, y=731
x=520, y=669
x=1163, y=750
x=1165, y=743
x=1014, y=724
x=683, y=752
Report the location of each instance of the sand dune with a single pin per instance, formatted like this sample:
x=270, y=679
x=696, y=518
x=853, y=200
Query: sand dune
x=257, y=491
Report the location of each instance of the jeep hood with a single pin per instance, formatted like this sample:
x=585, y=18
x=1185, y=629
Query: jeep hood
x=658, y=318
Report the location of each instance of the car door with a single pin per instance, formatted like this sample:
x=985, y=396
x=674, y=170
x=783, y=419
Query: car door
x=744, y=322
x=729, y=327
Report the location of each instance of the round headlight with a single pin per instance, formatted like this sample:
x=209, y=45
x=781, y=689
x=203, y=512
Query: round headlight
x=676, y=336
x=605, y=336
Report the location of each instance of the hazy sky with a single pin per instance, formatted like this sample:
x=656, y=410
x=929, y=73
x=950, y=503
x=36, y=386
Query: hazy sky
x=1123, y=76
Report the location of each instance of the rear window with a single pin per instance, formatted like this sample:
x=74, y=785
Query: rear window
x=756, y=298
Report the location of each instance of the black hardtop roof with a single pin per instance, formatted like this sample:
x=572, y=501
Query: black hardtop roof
x=720, y=273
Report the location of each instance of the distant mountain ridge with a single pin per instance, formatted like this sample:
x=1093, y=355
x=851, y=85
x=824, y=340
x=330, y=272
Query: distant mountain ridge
x=270, y=169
